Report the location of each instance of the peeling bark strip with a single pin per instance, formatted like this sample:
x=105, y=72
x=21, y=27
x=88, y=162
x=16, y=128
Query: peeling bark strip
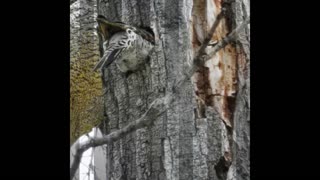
x=202, y=58
x=228, y=39
x=209, y=36
x=156, y=108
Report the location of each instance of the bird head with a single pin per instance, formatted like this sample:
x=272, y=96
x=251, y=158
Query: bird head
x=108, y=28
x=131, y=30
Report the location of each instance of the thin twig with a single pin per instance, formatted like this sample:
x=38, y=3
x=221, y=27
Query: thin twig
x=231, y=37
x=156, y=109
x=210, y=34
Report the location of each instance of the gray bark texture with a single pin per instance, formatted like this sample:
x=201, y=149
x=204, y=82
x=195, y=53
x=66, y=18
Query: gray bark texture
x=205, y=132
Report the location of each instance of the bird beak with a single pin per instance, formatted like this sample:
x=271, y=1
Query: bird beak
x=107, y=28
x=102, y=20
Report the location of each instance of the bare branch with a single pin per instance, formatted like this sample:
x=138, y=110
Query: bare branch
x=197, y=60
x=210, y=34
x=231, y=37
x=201, y=57
x=156, y=109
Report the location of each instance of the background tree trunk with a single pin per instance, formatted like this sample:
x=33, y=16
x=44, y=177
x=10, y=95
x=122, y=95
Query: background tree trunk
x=86, y=102
x=205, y=133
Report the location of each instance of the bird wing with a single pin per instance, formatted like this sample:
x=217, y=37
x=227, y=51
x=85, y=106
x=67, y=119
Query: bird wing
x=108, y=58
x=115, y=46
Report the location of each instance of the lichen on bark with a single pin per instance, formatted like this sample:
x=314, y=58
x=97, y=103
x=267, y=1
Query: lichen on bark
x=86, y=102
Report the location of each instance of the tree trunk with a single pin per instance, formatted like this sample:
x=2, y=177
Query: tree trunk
x=206, y=129
x=205, y=132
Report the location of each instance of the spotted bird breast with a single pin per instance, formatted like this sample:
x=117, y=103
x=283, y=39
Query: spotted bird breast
x=134, y=56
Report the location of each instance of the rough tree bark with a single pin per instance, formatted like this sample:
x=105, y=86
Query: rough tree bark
x=86, y=102
x=204, y=134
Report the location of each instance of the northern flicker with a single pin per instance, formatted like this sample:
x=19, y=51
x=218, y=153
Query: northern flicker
x=123, y=44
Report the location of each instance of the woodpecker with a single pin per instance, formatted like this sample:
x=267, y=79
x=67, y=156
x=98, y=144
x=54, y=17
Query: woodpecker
x=126, y=45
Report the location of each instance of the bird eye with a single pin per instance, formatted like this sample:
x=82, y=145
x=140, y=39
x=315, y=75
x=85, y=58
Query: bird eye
x=129, y=31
